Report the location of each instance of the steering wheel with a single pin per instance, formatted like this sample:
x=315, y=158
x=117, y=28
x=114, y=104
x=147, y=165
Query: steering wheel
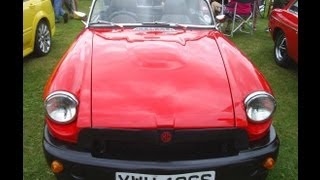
x=122, y=17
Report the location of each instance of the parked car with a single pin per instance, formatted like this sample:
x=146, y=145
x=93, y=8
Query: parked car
x=152, y=90
x=38, y=26
x=283, y=26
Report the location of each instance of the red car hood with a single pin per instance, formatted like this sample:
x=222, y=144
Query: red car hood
x=159, y=80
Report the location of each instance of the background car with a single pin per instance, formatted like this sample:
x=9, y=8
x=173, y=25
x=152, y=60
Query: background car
x=283, y=26
x=153, y=90
x=38, y=26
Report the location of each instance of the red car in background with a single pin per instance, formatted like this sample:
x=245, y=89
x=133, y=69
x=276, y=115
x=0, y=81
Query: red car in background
x=152, y=90
x=283, y=26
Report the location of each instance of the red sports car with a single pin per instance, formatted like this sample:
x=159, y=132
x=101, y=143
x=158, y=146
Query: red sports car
x=151, y=90
x=283, y=26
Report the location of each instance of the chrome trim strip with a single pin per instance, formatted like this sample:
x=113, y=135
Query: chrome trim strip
x=61, y=94
x=255, y=95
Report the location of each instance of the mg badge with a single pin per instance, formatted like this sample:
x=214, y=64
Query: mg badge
x=166, y=136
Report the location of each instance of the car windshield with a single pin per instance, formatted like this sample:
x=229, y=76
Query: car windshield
x=151, y=12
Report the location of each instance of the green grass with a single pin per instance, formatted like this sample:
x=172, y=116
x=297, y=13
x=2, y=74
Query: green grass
x=36, y=71
x=258, y=47
x=284, y=83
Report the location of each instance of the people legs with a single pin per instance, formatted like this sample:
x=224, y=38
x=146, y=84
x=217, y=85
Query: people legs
x=56, y=5
x=58, y=11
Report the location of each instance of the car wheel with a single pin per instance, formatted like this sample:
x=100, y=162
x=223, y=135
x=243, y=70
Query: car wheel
x=280, y=50
x=42, y=43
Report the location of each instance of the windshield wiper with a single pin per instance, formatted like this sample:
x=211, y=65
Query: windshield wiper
x=108, y=23
x=159, y=24
x=156, y=23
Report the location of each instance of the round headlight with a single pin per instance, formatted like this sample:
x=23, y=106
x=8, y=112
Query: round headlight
x=260, y=106
x=61, y=107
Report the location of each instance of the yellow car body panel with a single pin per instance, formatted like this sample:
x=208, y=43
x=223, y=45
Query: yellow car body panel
x=33, y=12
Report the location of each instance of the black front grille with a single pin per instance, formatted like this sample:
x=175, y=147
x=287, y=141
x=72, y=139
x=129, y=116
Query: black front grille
x=146, y=144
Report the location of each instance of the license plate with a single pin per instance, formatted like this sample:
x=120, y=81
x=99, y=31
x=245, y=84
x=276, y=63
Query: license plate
x=203, y=175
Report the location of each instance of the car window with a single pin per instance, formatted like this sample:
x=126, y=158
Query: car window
x=294, y=8
x=190, y=12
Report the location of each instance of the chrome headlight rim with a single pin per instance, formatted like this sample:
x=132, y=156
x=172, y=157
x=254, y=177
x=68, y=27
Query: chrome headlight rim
x=255, y=95
x=64, y=94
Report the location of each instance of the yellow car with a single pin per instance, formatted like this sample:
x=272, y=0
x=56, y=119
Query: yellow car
x=38, y=26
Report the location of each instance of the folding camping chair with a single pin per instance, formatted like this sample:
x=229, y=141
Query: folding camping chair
x=244, y=22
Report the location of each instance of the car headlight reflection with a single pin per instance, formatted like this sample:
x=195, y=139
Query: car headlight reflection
x=260, y=106
x=61, y=106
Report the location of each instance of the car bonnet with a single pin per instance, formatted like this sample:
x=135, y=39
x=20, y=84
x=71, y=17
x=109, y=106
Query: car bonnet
x=159, y=80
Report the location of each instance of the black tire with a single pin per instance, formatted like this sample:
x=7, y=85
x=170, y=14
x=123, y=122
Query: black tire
x=42, y=44
x=280, y=50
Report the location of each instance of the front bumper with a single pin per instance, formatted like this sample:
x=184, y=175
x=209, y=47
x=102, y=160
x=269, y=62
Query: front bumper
x=246, y=165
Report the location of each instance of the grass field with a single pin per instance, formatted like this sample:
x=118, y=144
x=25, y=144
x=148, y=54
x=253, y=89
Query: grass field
x=258, y=47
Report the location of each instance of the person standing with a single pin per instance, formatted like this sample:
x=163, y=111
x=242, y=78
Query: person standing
x=58, y=11
x=72, y=6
